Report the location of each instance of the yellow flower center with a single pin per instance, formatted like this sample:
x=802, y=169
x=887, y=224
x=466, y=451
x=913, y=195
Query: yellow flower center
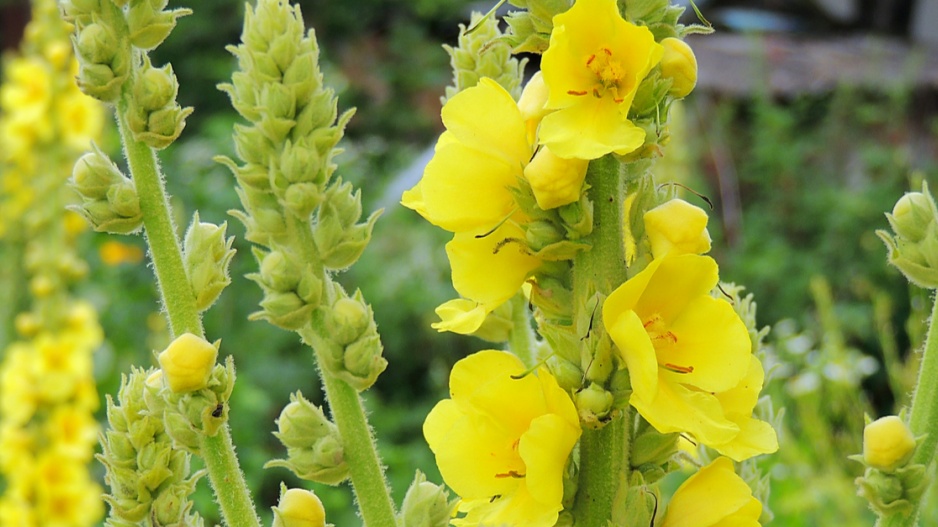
x=610, y=75
x=663, y=338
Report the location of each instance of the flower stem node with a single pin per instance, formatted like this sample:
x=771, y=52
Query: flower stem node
x=426, y=505
x=314, y=446
x=188, y=362
x=206, y=254
x=887, y=443
x=680, y=66
x=339, y=237
x=299, y=508
x=914, y=246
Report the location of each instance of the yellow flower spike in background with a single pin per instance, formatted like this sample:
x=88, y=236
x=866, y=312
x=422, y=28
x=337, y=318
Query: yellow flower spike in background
x=688, y=354
x=592, y=68
x=887, y=443
x=713, y=497
x=677, y=227
x=502, y=441
x=188, y=362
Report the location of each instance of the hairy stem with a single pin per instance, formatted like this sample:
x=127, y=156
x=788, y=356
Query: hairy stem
x=231, y=491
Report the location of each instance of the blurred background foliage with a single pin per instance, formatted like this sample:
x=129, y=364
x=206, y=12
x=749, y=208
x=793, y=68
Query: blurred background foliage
x=799, y=185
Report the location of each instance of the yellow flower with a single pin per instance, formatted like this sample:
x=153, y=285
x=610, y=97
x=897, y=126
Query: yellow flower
x=677, y=227
x=502, y=441
x=187, y=363
x=713, y=497
x=466, y=189
x=887, y=443
x=592, y=68
x=689, y=356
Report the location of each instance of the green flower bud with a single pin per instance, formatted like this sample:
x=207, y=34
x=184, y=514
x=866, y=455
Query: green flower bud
x=913, y=249
x=104, y=55
x=301, y=163
x=262, y=219
x=552, y=297
x=103, y=218
x=154, y=88
x=303, y=76
x=426, y=505
x=149, y=25
x=577, y=217
x=285, y=310
x=314, y=446
x=206, y=254
x=302, y=199
x=541, y=233
x=122, y=197
x=569, y=375
x=895, y=492
x=359, y=362
x=481, y=53
x=96, y=44
x=80, y=11
x=651, y=447
x=594, y=405
x=339, y=239
x=639, y=504
x=94, y=174
x=348, y=319
x=299, y=508
x=252, y=145
x=278, y=271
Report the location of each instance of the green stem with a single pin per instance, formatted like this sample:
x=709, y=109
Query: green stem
x=603, y=453
x=231, y=491
x=165, y=251
x=521, y=336
x=358, y=442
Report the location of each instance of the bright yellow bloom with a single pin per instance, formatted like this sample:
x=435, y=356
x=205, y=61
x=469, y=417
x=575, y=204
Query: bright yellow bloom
x=677, y=227
x=689, y=356
x=502, y=441
x=114, y=253
x=713, y=497
x=593, y=67
x=466, y=190
x=887, y=443
x=188, y=362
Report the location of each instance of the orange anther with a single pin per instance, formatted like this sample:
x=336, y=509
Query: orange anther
x=577, y=93
x=679, y=369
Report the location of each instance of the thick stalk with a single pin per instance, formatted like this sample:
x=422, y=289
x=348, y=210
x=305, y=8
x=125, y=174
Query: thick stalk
x=603, y=452
x=165, y=251
x=924, y=418
x=231, y=491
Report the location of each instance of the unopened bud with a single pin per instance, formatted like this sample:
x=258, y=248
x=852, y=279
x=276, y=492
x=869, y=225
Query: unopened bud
x=348, y=319
x=593, y=404
x=97, y=44
x=154, y=88
x=339, y=238
x=677, y=227
x=680, y=65
x=555, y=181
x=285, y=310
x=188, y=362
x=149, y=26
x=887, y=443
x=426, y=504
x=207, y=254
x=913, y=249
x=299, y=508
x=94, y=174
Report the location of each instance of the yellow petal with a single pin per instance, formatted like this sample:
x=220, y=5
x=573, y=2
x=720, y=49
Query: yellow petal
x=711, y=495
x=490, y=270
x=677, y=281
x=555, y=181
x=676, y=408
x=590, y=129
x=755, y=437
x=742, y=398
x=460, y=316
x=486, y=118
x=544, y=447
x=629, y=335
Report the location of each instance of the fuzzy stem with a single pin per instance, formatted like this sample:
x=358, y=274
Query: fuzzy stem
x=603, y=452
x=231, y=491
x=165, y=252
x=924, y=420
x=521, y=336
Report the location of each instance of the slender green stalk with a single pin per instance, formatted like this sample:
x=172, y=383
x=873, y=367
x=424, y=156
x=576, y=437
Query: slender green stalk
x=231, y=491
x=604, y=452
x=348, y=413
x=165, y=251
x=521, y=336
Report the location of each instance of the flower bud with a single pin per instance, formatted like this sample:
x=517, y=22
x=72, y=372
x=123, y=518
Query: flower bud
x=94, y=174
x=593, y=404
x=913, y=249
x=339, y=238
x=887, y=443
x=97, y=44
x=122, y=197
x=154, y=88
x=677, y=227
x=149, y=26
x=426, y=504
x=301, y=423
x=188, y=362
x=554, y=180
x=285, y=310
x=206, y=255
x=348, y=319
x=680, y=65
x=299, y=508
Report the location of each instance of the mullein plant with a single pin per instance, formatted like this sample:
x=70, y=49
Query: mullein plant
x=549, y=194
x=47, y=391
x=899, y=450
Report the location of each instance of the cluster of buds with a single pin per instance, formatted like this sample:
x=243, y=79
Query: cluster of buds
x=339, y=237
x=481, y=54
x=190, y=391
x=353, y=352
x=102, y=44
x=108, y=198
x=314, y=447
x=291, y=288
x=913, y=248
x=891, y=482
x=154, y=117
x=146, y=474
x=206, y=254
